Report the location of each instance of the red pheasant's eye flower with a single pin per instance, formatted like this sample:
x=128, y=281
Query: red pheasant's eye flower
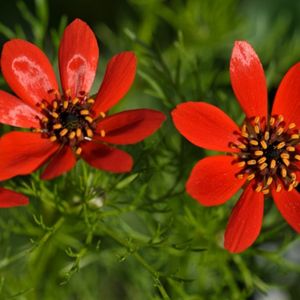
x=267, y=153
x=263, y=154
x=69, y=124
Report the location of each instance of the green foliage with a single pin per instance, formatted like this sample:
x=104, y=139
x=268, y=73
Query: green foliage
x=94, y=235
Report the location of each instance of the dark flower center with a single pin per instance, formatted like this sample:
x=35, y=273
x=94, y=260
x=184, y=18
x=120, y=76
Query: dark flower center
x=68, y=120
x=267, y=153
x=272, y=153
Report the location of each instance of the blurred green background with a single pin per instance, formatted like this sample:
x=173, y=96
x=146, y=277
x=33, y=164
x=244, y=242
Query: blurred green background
x=93, y=235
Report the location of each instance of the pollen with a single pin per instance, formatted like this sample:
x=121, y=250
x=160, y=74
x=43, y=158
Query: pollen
x=267, y=154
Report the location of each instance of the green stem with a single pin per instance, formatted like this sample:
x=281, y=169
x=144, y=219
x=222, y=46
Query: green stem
x=141, y=260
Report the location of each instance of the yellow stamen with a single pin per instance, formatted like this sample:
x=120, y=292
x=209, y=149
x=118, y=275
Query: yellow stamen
x=55, y=104
x=254, y=142
x=78, y=132
x=72, y=135
x=279, y=130
x=37, y=130
x=262, y=160
x=256, y=129
x=286, y=161
x=295, y=136
x=266, y=191
x=263, y=166
x=278, y=187
x=240, y=176
x=269, y=181
x=291, y=186
x=292, y=125
x=264, y=144
x=84, y=112
x=297, y=157
x=244, y=134
x=91, y=101
x=102, y=133
x=66, y=104
x=78, y=151
x=57, y=126
x=258, y=188
x=241, y=164
x=75, y=101
x=102, y=114
x=280, y=145
x=53, y=138
x=272, y=121
x=267, y=135
x=63, y=132
x=258, y=153
x=273, y=164
x=285, y=155
x=251, y=176
x=54, y=115
x=45, y=120
x=89, y=119
x=295, y=184
x=283, y=172
x=290, y=148
x=256, y=120
x=251, y=162
x=242, y=146
x=89, y=132
x=280, y=118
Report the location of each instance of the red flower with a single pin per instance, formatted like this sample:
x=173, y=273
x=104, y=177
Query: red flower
x=262, y=155
x=69, y=124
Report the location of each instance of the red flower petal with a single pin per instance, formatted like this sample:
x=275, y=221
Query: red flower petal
x=78, y=58
x=205, y=125
x=245, y=221
x=23, y=152
x=118, y=78
x=288, y=203
x=28, y=71
x=213, y=180
x=130, y=126
x=106, y=158
x=287, y=100
x=15, y=113
x=61, y=162
x=248, y=80
x=10, y=199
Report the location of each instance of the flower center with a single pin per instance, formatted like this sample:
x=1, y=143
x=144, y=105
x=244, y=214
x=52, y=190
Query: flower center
x=68, y=120
x=267, y=153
